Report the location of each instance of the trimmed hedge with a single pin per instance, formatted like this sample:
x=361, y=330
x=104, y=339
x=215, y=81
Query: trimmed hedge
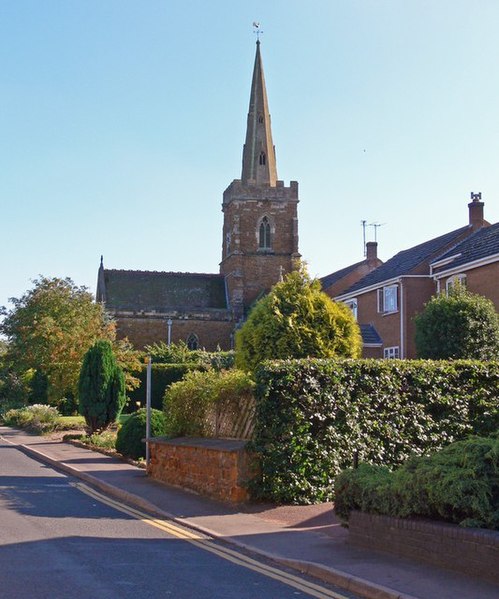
x=315, y=418
x=458, y=484
x=129, y=438
x=162, y=376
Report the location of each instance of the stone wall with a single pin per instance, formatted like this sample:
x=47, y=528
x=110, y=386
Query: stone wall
x=217, y=468
x=471, y=551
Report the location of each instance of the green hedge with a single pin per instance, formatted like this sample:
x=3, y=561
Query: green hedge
x=317, y=417
x=458, y=484
x=162, y=376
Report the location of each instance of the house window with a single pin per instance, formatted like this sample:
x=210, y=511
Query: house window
x=352, y=304
x=264, y=234
x=388, y=299
x=193, y=341
x=262, y=158
x=455, y=280
x=391, y=353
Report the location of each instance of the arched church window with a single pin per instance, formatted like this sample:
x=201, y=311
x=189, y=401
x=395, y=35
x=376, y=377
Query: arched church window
x=264, y=234
x=262, y=158
x=193, y=341
x=260, y=118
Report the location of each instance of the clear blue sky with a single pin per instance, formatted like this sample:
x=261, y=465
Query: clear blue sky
x=122, y=122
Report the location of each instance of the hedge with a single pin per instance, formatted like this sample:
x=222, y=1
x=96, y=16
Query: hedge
x=162, y=376
x=315, y=418
x=459, y=484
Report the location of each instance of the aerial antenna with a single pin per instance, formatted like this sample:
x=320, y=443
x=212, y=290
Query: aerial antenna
x=364, y=224
x=376, y=226
x=257, y=30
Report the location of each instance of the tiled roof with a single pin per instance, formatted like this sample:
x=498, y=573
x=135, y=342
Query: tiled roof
x=406, y=261
x=329, y=280
x=482, y=244
x=132, y=290
x=370, y=335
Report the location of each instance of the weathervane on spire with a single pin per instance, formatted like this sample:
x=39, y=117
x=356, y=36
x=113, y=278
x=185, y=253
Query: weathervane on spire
x=257, y=30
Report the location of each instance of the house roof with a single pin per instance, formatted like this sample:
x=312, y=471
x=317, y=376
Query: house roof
x=482, y=244
x=332, y=278
x=370, y=335
x=406, y=261
x=132, y=290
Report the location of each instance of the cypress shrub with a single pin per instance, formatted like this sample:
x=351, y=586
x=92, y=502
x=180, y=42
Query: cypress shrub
x=101, y=387
x=129, y=441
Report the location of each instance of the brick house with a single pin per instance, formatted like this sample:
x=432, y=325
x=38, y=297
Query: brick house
x=474, y=263
x=386, y=300
x=260, y=244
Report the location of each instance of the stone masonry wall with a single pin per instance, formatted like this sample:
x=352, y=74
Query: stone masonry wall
x=470, y=551
x=217, y=468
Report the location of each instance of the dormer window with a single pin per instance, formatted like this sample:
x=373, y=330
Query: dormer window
x=264, y=234
x=262, y=159
x=260, y=118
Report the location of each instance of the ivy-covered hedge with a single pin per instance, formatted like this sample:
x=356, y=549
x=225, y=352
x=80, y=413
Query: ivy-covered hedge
x=458, y=484
x=315, y=418
x=162, y=376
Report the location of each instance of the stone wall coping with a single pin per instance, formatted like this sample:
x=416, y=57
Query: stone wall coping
x=205, y=443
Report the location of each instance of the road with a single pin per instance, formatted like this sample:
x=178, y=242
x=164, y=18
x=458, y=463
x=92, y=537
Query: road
x=59, y=538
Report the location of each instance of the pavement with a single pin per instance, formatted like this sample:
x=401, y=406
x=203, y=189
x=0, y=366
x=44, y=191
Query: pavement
x=306, y=538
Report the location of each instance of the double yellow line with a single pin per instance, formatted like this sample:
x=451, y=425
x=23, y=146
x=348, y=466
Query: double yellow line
x=204, y=542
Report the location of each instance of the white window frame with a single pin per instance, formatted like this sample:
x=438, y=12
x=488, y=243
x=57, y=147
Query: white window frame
x=353, y=305
x=388, y=296
x=451, y=281
x=391, y=353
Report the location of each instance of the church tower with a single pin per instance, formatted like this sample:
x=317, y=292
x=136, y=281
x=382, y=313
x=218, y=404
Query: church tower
x=260, y=232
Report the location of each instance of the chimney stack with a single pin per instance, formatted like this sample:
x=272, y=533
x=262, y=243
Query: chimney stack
x=371, y=251
x=476, y=211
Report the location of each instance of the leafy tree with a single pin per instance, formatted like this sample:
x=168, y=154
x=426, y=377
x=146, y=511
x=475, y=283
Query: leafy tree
x=297, y=320
x=101, y=387
x=458, y=325
x=51, y=327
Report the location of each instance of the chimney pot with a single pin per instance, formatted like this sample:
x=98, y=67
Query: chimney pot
x=475, y=207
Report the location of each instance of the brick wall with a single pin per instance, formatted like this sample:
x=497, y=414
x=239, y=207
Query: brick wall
x=217, y=468
x=482, y=280
x=145, y=330
x=470, y=551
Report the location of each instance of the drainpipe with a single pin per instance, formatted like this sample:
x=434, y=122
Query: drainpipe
x=402, y=338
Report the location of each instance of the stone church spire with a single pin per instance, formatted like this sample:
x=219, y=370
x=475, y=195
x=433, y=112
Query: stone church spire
x=259, y=164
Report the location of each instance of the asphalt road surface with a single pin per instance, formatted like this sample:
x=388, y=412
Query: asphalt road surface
x=61, y=539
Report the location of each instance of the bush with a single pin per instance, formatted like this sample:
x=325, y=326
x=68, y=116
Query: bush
x=129, y=440
x=179, y=353
x=458, y=325
x=297, y=320
x=37, y=418
x=101, y=387
x=195, y=406
x=315, y=417
x=458, y=484
x=162, y=376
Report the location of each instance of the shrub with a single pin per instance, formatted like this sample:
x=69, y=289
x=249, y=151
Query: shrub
x=297, y=320
x=458, y=325
x=179, y=353
x=194, y=406
x=37, y=418
x=314, y=417
x=162, y=376
x=129, y=439
x=458, y=484
x=103, y=440
x=101, y=387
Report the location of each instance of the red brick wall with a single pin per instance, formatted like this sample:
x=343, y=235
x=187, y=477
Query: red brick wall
x=216, y=468
x=483, y=280
x=143, y=330
x=470, y=551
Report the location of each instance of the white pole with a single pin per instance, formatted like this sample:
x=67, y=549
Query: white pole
x=169, y=322
x=148, y=410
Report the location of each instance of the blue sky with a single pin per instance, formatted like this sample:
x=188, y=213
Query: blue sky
x=122, y=122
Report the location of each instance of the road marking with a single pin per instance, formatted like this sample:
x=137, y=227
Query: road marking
x=204, y=542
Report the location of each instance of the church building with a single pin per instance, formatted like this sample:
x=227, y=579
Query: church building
x=260, y=245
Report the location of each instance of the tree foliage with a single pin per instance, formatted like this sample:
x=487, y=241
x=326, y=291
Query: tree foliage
x=297, y=320
x=101, y=387
x=458, y=325
x=129, y=441
x=50, y=328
